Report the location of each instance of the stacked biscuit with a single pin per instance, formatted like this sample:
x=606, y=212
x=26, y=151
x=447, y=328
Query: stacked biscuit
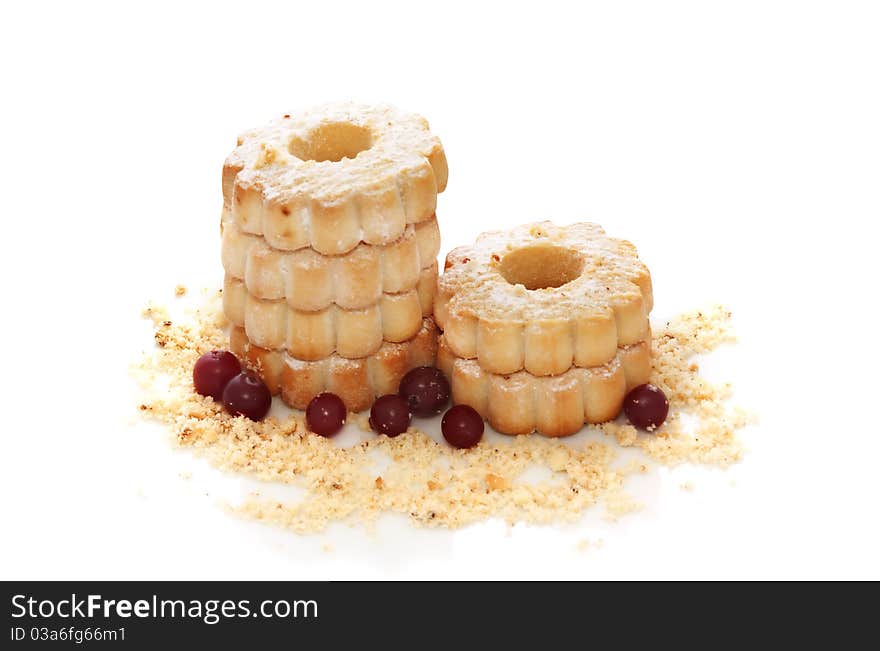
x=545, y=328
x=329, y=244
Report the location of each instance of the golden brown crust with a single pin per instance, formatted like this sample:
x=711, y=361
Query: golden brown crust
x=334, y=176
x=357, y=381
x=310, y=281
x=542, y=298
x=521, y=403
x=314, y=335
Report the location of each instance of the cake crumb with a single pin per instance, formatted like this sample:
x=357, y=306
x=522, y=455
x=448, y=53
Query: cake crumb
x=180, y=290
x=558, y=458
x=267, y=156
x=687, y=486
x=618, y=504
x=626, y=435
x=431, y=483
x=634, y=466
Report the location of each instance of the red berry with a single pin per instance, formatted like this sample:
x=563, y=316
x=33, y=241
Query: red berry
x=247, y=395
x=325, y=414
x=426, y=390
x=213, y=371
x=390, y=415
x=462, y=426
x=646, y=407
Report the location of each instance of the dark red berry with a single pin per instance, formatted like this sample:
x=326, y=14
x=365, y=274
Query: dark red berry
x=390, y=415
x=247, y=395
x=462, y=426
x=326, y=414
x=426, y=390
x=213, y=371
x=646, y=407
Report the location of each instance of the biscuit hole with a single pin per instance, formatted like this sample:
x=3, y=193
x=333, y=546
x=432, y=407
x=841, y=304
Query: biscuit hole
x=541, y=266
x=332, y=142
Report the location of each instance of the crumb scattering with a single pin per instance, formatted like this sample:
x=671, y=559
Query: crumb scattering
x=429, y=481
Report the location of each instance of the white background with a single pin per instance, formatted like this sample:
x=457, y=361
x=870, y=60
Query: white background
x=737, y=144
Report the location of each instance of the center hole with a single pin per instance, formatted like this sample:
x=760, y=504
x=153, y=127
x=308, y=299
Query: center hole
x=332, y=142
x=541, y=266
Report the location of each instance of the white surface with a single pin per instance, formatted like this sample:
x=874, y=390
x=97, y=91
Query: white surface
x=736, y=145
